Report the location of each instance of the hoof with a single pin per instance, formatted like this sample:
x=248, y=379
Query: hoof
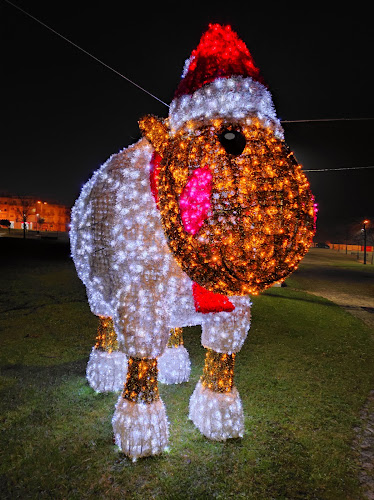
x=218, y=416
x=174, y=366
x=106, y=372
x=140, y=429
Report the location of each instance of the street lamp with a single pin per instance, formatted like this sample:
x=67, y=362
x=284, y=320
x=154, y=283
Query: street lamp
x=41, y=212
x=364, y=231
x=38, y=216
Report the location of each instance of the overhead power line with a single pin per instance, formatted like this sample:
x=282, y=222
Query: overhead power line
x=86, y=52
x=326, y=120
x=340, y=168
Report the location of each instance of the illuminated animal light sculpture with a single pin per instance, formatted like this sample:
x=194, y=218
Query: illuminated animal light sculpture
x=209, y=207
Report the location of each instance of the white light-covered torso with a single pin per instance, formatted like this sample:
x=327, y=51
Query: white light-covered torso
x=121, y=255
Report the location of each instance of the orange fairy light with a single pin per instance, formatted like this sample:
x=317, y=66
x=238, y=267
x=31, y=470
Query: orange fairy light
x=270, y=210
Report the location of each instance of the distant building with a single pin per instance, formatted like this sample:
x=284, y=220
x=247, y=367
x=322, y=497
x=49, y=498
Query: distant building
x=36, y=214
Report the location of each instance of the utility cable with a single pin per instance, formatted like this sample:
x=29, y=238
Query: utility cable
x=326, y=120
x=86, y=52
x=340, y=168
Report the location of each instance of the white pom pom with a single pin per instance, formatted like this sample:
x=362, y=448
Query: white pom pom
x=106, y=372
x=174, y=366
x=218, y=416
x=140, y=429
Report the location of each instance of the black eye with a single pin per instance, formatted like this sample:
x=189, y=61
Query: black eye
x=233, y=141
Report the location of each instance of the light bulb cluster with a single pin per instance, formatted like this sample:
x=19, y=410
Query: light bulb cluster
x=106, y=372
x=140, y=430
x=141, y=381
x=121, y=255
x=151, y=294
x=226, y=332
x=176, y=337
x=232, y=98
x=217, y=415
x=174, y=366
x=194, y=201
x=90, y=242
x=106, y=339
x=220, y=53
x=107, y=366
x=90, y=235
x=221, y=79
x=210, y=204
x=261, y=217
x=218, y=372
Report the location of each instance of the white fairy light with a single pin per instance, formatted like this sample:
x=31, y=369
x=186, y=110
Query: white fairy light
x=106, y=372
x=219, y=416
x=140, y=429
x=174, y=365
x=235, y=97
x=89, y=238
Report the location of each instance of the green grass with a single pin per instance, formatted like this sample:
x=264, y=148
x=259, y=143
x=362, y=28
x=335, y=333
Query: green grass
x=303, y=374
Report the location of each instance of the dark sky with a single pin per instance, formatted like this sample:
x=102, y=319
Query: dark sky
x=64, y=114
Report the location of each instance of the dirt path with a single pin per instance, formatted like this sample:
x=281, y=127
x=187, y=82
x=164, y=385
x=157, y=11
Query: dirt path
x=344, y=281
x=340, y=278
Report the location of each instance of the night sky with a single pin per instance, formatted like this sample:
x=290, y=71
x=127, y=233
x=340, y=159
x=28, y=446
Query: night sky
x=63, y=114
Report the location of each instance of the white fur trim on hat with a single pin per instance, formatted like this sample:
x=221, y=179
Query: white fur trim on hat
x=232, y=98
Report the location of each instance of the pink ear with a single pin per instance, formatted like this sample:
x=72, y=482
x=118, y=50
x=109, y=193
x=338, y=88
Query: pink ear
x=194, y=202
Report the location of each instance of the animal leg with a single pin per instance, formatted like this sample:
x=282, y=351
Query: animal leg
x=139, y=422
x=106, y=367
x=174, y=365
x=215, y=405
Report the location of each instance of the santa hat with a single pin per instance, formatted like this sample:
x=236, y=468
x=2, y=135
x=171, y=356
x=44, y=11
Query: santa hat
x=220, y=80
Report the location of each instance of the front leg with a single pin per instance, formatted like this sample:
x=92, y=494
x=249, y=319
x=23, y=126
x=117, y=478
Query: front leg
x=139, y=422
x=215, y=405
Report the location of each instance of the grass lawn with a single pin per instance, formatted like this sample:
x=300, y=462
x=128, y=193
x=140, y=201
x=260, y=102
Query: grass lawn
x=303, y=375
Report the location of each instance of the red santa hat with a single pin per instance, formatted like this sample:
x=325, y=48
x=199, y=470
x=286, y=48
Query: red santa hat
x=221, y=80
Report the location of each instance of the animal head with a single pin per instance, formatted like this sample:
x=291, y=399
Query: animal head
x=235, y=205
